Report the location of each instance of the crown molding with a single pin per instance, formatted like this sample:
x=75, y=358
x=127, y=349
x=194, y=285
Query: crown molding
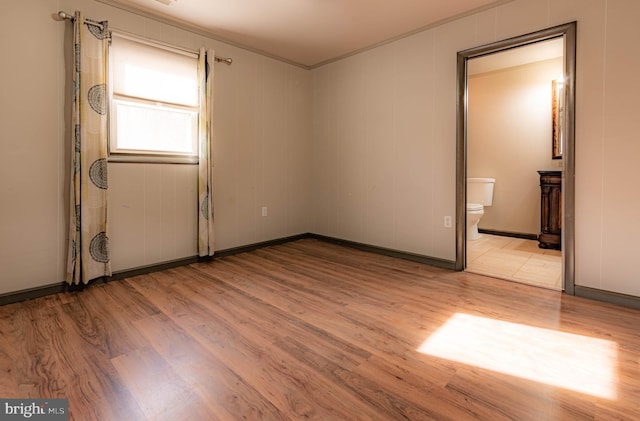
x=181, y=24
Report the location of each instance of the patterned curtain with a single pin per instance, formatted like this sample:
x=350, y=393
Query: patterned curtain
x=88, y=255
x=205, y=165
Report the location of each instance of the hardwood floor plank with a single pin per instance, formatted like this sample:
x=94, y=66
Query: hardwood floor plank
x=126, y=299
x=269, y=322
x=349, y=326
x=53, y=362
x=100, y=333
x=161, y=393
x=312, y=330
x=288, y=385
x=388, y=405
x=500, y=396
x=422, y=387
x=224, y=391
x=8, y=350
x=93, y=320
x=44, y=357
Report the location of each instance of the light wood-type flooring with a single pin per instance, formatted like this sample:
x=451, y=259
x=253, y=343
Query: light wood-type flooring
x=312, y=330
x=515, y=259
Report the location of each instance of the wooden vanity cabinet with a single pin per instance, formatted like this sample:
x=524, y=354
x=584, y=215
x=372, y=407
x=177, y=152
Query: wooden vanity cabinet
x=550, y=209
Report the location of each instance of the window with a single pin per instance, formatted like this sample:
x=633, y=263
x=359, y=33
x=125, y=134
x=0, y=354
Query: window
x=154, y=102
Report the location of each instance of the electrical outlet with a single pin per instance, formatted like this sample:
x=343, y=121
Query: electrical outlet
x=447, y=222
x=264, y=211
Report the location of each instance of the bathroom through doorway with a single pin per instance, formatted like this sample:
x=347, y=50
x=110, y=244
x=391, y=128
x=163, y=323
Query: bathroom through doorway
x=505, y=135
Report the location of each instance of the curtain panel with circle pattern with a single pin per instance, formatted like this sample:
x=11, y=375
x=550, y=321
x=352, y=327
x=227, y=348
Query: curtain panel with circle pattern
x=205, y=161
x=88, y=253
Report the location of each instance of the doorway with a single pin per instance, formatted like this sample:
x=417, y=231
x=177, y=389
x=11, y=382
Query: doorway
x=567, y=34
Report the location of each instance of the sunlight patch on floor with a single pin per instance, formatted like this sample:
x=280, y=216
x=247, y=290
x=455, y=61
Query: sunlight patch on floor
x=575, y=362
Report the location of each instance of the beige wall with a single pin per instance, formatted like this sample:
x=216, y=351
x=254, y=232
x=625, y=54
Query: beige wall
x=32, y=154
x=509, y=139
x=375, y=165
x=384, y=135
x=262, y=147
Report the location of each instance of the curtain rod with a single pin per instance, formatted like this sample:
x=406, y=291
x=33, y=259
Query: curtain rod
x=67, y=16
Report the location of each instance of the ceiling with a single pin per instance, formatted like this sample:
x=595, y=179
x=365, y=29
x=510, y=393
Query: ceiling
x=307, y=33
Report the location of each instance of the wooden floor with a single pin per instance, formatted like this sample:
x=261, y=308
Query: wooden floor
x=310, y=330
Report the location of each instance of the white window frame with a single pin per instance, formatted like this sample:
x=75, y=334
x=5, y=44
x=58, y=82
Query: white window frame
x=149, y=156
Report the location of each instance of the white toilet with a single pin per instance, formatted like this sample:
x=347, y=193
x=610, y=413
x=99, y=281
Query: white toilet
x=479, y=195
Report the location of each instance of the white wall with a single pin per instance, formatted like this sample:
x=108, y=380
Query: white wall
x=261, y=148
x=384, y=135
x=509, y=139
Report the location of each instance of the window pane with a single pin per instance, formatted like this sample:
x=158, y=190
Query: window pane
x=143, y=71
x=148, y=128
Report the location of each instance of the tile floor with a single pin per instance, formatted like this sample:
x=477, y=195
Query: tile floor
x=515, y=259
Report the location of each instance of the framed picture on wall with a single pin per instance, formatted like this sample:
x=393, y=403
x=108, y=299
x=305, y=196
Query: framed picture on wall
x=556, y=119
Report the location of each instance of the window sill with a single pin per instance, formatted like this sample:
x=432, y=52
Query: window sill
x=153, y=159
